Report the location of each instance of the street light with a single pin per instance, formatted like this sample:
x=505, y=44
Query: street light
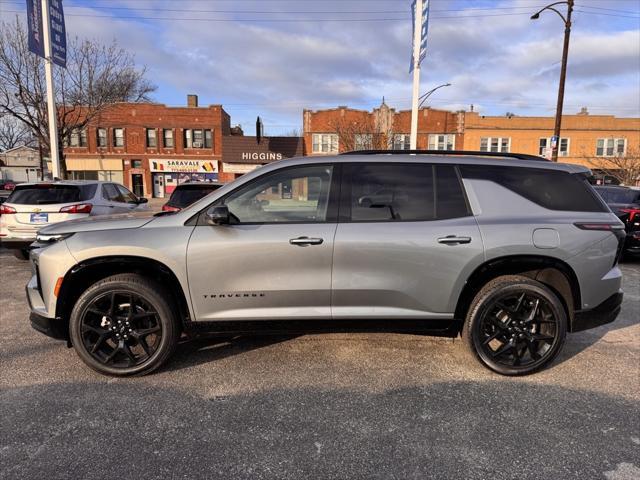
x=563, y=69
x=423, y=98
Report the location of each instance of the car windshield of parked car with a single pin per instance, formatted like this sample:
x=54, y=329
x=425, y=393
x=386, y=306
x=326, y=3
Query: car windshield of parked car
x=44, y=194
x=186, y=195
x=623, y=196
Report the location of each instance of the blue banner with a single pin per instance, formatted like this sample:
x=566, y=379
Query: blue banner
x=34, y=27
x=58, y=33
x=424, y=22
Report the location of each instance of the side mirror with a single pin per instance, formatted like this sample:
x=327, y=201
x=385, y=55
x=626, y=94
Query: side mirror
x=142, y=200
x=218, y=215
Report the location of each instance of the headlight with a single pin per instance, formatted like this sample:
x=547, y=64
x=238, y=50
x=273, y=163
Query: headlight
x=43, y=239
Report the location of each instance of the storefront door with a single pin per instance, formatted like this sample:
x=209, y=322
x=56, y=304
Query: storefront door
x=138, y=184
x=158, y=185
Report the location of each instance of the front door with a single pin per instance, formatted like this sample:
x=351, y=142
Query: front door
x=137, y=184
x=407, y=242
x=274, y=260
x=158, y=185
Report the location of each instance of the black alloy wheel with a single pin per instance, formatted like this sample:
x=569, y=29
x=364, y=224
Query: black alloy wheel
x=516, y=325
x=121, y=329
x=124, y=325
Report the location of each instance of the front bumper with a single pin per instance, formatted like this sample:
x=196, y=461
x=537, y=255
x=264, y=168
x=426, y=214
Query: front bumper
x=604, y=313
x=52, y=327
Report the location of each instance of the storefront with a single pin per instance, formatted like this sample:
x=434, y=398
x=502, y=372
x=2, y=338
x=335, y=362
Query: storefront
x=105, y=169
x=167, y=174
x=242, y=154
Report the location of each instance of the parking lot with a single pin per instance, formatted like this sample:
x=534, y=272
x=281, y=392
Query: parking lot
x=319, y=406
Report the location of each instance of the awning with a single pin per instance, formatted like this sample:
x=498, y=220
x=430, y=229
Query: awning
x=81, y=164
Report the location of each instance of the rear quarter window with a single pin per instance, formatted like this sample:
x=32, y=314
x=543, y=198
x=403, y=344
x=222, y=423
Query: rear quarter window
x=551, y=189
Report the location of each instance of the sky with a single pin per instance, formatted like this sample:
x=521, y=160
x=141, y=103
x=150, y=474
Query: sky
x=274, y=58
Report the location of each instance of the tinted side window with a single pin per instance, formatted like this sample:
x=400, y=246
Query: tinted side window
x=87, y=192
x=550, y=189
x=391, y=192
x=110, y=192
x=450, y=198
x=126, y=195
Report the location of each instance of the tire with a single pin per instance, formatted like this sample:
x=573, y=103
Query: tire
x=515, y=325
x=124, y=325
x=21, y=254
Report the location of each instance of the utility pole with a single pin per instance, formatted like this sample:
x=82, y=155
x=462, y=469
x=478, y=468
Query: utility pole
x=54, y=152
x=417, y=40
x=555, y=143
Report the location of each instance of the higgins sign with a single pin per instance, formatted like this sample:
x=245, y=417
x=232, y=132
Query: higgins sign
x=262, y=156
x=184, y=166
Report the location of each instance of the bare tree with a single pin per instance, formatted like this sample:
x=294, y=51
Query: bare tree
x=96, y=76
x=624, y=168
x=362, y=133
x=14, y=133
x=294, y=132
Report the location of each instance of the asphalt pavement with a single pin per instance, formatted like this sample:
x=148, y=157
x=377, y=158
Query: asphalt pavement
x=331, y=406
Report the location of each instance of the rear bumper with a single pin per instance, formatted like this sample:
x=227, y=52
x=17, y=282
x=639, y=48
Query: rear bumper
x=604, y=313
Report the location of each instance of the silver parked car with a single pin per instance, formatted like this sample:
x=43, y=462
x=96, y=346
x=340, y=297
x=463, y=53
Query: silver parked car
x=508, y=251
x=32, y=206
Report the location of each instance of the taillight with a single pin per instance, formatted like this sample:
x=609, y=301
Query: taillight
x=6, y=210
x=169, y=208
x=607, y=227
x=632, y=212
x=80, y=208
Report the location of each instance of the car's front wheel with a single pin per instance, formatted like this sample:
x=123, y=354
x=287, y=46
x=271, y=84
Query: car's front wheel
x=515, y=325
x=124, y=325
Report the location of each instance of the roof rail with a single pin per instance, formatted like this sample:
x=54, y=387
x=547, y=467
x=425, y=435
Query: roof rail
x=519, y=156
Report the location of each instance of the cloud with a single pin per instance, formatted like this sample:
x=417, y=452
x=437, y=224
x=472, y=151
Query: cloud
x=275, y=69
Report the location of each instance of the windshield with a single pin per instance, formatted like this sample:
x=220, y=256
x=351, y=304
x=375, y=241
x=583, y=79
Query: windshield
x=45, y=194
x=185, y=196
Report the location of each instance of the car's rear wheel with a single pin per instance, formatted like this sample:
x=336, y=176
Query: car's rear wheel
x=21, y=254
x=124, y=325
x=515, y=325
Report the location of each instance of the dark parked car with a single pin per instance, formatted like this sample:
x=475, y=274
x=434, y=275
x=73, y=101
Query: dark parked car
x=625, y=203
x=188, y=193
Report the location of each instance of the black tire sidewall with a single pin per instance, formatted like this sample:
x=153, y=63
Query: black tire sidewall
x=483, y=301
x=127, y=284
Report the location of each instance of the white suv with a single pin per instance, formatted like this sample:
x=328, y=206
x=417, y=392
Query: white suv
x=32, y=206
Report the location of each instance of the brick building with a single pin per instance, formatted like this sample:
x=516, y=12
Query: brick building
x=149, y=147
x=584, y=140
x=342, y=129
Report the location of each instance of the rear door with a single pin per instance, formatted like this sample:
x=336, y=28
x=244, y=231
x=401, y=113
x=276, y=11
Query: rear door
x=405, y=242
x=115, y=200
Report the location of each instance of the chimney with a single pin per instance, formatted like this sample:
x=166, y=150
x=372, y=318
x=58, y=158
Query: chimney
x=584, y=111
x=192, y=101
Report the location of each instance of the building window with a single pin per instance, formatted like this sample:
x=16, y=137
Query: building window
x=152, y=141
x=101, y=138
x=167, y=138
x=401, y=141
x=442, y=142
x=363, y=141
x=136, y=163
x=495, y=144
x=197, y=138
x=611, y=147
x=545, y=143
x=118, y=137
x=325, y=143
x=77, y=138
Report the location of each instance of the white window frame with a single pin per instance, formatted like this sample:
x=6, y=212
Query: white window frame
x=402, y=139
x=115, y=137
x=151, y=134
x=447, y=139
x=320, y=140
x=165, y=137
x=77, y=137
x=363, y=141
x=104, y=137
x=548, y=145
x=614, y=142
x=500, y=142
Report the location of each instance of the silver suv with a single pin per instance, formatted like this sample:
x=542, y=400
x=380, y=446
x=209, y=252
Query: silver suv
x=508, y=251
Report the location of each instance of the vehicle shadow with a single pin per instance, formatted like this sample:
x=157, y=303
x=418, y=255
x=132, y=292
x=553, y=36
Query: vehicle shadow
x=454, y=429
x=209, y=349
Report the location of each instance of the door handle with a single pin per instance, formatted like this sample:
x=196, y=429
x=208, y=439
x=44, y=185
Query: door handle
x=454, y=240
x=304, y=241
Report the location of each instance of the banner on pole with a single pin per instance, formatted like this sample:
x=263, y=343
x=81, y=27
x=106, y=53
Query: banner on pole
x=58, y=33
x=34, y=27
x=424, y=22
